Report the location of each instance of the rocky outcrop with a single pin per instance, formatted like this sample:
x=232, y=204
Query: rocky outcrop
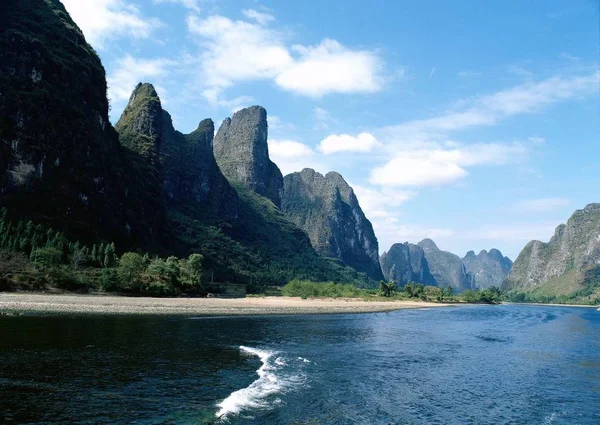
x=446, y=268
x=60, y=159
x=487, y=269
x=181, y=167
x=570, y=255
x=406, y=263
x=242, y=153
x=327, y=209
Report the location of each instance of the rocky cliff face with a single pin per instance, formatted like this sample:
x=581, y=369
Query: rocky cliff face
x=406, y=263
x=571, y=254
x=180, y=167
x=60, y=159
x=487, y=268
x=242, y=153
x=327, y=209
x=446, y=268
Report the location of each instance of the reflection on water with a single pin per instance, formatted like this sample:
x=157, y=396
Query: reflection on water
x=480, y=365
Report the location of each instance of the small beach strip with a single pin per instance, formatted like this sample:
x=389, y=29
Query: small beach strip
x=27, y=303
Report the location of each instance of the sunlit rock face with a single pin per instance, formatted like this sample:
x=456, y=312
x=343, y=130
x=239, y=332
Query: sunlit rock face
x=242, y=153
x=406, y=263
x=446, y=268
x=487, y=269
x=327, y=209
x=571, y=258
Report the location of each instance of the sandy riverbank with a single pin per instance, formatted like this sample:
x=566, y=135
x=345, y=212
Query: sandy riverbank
x=88, y=304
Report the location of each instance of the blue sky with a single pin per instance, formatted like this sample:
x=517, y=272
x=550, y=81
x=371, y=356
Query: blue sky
x=476, y=124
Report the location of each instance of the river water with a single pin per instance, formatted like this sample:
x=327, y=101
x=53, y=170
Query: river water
x=508, y=364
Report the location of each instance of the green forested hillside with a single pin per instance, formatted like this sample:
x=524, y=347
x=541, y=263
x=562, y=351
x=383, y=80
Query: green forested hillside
x=144, y=187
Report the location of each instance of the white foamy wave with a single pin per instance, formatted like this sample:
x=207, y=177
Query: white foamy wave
x=258, y=395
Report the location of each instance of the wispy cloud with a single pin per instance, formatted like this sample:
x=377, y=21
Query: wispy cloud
x=323, y=118
x=260, y=17
x=541, y=205
x=425, y=151
x=190, y=4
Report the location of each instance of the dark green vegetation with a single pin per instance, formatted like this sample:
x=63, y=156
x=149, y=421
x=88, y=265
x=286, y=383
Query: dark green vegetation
x=147, y=187
x=53, y=120
x=389, y=291
x=33, y=257
x=564, y=270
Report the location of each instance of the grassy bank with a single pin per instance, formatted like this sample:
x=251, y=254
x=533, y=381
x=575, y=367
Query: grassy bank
x=387, y=291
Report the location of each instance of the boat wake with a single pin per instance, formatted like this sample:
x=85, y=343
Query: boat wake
x=274, y=379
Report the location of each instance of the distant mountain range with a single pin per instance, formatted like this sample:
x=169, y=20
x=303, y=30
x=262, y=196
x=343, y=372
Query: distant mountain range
x=425, y=263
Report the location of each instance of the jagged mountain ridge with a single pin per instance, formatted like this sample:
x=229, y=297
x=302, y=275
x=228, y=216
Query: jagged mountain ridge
x=487, y=269
x=135, y=189
x=425, y=263
x=446, y=268
x=228, y=221
x=327, y=209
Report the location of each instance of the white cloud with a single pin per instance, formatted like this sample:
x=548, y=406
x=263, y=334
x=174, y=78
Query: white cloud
x=261, y=18
x=328, y=68
x=190, y=4
x=291, y=156
x=378, y=203
x=531, y=97
x=101, y=20
x=541, y=205
x=432, y=167
x=235, y=51
x=424, y=153
x=364, y=142
x=488, y=110
x=288, y=148
x=130, y=71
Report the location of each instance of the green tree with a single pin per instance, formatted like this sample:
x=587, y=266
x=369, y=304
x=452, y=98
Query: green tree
x=130, y=268
x=448, y=291
x=387, y=289
x=110, y=256
x=193, y=269
x=46, y=257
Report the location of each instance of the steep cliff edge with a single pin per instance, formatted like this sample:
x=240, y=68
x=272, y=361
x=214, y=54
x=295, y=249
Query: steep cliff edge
x=569, y=263
x=60, y=158
x=327, y=209
x=446, y=268
x=242, y=153
x=406, y=263
x=181, y=168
